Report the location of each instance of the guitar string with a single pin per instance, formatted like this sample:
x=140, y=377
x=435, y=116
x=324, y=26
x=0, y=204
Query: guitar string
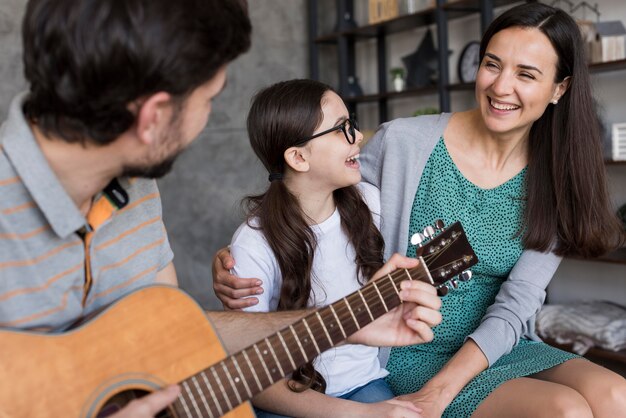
x=385, y=289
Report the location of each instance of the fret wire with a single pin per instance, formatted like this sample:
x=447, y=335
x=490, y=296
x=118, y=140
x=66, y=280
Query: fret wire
x=282, y=372
x=204, y=401
x=365, y=303
x=192, y=397
x=232, y=383
x=253, y=370
x=394, y=285
x=380, y=295
x=319, y=317
x=408, y=275
x=241, y=376
x=282, y=340
x=262, y=361
x=179, y=410
x=317, y=349
x=181, y=397
x=213, y=395
x=221, y=386
x=359, y=307
x=332, y=309
x=293, y=331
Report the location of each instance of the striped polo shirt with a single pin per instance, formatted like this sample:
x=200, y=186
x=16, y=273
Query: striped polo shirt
x=56, y=266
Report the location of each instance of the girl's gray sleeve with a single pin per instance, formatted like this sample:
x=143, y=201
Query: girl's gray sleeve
x=520, y=298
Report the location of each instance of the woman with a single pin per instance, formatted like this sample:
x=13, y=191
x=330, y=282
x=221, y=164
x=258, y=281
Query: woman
x=524, y=174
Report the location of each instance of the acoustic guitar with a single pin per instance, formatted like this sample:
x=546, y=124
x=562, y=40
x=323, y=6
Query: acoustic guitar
x=158, y=335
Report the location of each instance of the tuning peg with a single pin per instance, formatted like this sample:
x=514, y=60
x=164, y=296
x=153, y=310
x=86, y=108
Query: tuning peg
x=443, y=290
x=429, y=231
x=454, y=283
x=417, y=239
x=439, y=225
x=465, y=276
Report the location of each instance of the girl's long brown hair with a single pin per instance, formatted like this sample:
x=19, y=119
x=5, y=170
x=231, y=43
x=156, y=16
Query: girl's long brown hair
x=568, y=208
x=281, y=115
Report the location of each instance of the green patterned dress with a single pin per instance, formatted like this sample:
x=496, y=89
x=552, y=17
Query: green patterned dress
x=491, y=219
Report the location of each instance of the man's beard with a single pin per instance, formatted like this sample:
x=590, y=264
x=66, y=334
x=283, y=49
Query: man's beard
x=155, y=171
x=158, y=170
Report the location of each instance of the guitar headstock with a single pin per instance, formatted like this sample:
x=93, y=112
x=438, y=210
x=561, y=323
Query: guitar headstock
x=447, y=255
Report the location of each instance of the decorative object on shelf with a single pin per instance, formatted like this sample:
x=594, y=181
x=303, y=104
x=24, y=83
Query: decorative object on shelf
x=583, y=6
x=422, y=64
x=380, y=10
x=345, y=19
x=397, y=78
x=618, y=141
x=426, y=111
x=584, y=325
x=469, y=60
x=609, y=43
x=408, y=7
x=354, y=89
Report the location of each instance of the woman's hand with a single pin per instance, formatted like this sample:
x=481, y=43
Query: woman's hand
x=230, y=289
x=393, y=408
x=429, y=400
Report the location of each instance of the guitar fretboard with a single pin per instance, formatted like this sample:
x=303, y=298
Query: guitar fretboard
x=220, y=388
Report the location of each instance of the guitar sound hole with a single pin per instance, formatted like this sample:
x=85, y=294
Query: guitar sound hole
x=117, y=402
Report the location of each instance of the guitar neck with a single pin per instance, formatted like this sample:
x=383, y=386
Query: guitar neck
x=221, y=387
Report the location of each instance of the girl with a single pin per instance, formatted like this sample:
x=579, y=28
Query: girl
x=311, y=239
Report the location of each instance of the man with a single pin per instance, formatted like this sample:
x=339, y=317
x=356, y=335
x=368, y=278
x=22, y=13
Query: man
x=117, y=89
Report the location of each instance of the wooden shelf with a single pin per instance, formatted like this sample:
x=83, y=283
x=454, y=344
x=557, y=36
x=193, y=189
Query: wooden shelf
x=594, y=353
x=403, y=23
x=604, y=67
x=617, y=257
x=614, y=162
x=410, y=92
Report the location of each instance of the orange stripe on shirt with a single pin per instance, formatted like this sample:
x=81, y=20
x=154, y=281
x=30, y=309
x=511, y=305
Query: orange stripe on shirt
x=12, y=180
x=130, y=257
x=139, y=202
x=44, y=286
x=126, y=233
x=20, y=263
x=126, y=283
x=39, y=315
x=19, y=208
x=26, y=235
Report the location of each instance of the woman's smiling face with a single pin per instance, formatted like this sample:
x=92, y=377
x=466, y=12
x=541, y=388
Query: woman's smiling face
x=516, y=80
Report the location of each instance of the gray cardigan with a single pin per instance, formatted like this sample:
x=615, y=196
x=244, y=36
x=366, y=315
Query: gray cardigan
x=393, y=160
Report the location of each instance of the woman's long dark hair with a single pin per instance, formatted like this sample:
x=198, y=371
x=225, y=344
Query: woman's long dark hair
x=281, y=115
x=567, y=192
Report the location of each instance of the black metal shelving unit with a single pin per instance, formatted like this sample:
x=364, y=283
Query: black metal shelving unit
x=345, y=39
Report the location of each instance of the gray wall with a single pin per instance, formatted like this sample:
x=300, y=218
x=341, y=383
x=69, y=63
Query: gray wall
x=201, y=195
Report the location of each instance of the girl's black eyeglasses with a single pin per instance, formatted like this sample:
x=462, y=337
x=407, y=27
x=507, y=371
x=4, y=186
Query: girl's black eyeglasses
x=348, y=128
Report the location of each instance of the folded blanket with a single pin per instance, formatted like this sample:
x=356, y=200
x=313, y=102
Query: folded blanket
x=584, y=325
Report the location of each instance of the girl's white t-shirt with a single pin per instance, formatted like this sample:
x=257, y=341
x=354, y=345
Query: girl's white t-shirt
x=334, y=276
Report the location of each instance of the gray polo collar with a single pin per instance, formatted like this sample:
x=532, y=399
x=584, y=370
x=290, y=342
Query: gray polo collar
x=31, y=165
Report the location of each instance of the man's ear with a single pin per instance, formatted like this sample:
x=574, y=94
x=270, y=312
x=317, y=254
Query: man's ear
x=154, y=114
x=296, y=158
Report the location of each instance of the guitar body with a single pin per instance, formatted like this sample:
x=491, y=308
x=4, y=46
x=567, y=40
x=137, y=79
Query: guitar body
x=149, y=339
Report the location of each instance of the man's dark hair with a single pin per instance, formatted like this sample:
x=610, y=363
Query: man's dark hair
x=87, y=60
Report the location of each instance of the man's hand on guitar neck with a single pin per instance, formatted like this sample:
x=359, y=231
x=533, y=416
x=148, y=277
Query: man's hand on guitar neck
x=409, y=323
x=149, y=405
